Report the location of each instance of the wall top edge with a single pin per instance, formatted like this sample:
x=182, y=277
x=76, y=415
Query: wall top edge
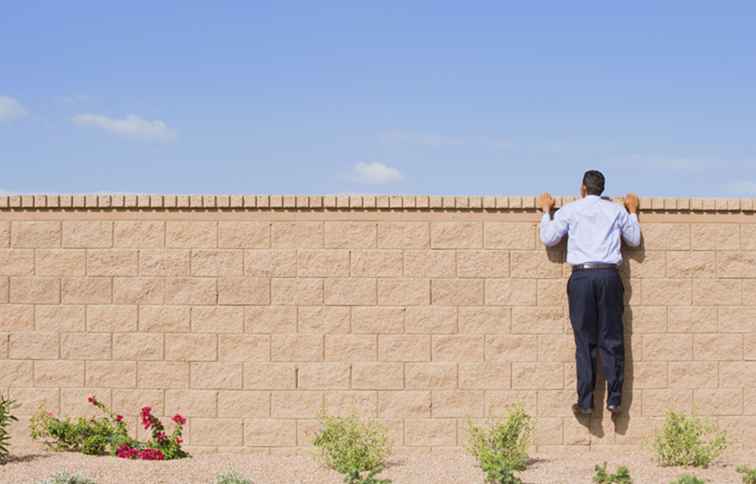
x=361, y=202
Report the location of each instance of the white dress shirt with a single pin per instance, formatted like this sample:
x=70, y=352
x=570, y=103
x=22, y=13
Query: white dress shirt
x=594, y=226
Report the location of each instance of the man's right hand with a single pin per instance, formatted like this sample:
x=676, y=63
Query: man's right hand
x=632, y=202
x=546, y=202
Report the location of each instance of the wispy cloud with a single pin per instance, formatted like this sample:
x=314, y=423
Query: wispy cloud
x=11, y=109
x=435, y=140
x=742, y=187
x=375, y=173
x=131, y=126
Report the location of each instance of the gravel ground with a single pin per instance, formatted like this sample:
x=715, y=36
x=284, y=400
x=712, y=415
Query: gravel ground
x=568, y=467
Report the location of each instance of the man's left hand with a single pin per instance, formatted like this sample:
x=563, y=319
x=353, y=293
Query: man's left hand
x=546, y=202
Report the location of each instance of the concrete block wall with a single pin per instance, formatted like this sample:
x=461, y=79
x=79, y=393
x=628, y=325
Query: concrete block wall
x=253, y=315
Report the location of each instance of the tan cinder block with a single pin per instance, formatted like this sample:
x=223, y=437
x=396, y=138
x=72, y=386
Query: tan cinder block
x=34, y=234
x=456, y=235
x=736, y=264
x=315, y=376
x=748, y=236
x=186, y=290
x=511, y=348
x=718, y=347
x=656, y=403
x=214, y=262
x=17, y=373
x=221, y=376
x=551, y=292
x=296, y=404
x=163, y=374
x=527, y=375
x=715, y=236
x=457, y=292
x=518, y=236
x=111, y=318
x=53, y=373
x=404, y=348
x=715, y=292
x=693, y=319
x=73, y=401
x=323, y=263
x=537, y=263
x=648, y=263
x=94, y=234
x=548, y=431
x=296, y=347
x=429, y=263
x=243, y=290
x=270, y=263
x=377, y=376
x=556, y=348
x=58, y=318
x=667, y=347
x=138, y=346
x=403, y=235
x=430, y=376
x=244, y=347
x=354, y=291
x=349, y=347
x=404, y=404
x=403, y=292
x=269, y=376
x=192, y=403
x=718, y=402
x=244, y=235
x=58, y=262
x=484, y=320
x=538, y=320
x=346, y=403
x=4, y=234
x=357, y=235
x=663, y=292
x=39, y=290
x=380, y=320
x=297, y=235
x=217, y=319
x=17, y=317
x=749, y=292
x=139, y=234
x=29, y=400
x=270, y=319
x=690, y=374
x=485, y=375
x=18, y=262
x=146, y=290
x=431, y=320
x=290, y=291
x=243, y=404
x=187, y=235
x=482, y=263
x=691, y=264
x=431, y=432
x=737, y=374
x=110, y=374
x=658, y=236
x=191, y=347
x=323, y=319
x=749, y=400
x=85, y=346
x=217, y=431
x=270, y=432
x=749, y=346
x=458, y=348
x=555, y=403
x=649, y=319
x=376, y=263
x=457, y=403
x=33, y=346
x=160, y=319
x=508, y=292
x=86, y=290
x=4, y=290
x=164, y=262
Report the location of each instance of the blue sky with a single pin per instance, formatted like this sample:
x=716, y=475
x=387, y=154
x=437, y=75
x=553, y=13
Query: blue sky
x=397, y=97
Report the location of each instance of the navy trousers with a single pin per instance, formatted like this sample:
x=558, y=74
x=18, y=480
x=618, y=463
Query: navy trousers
x=596, y=300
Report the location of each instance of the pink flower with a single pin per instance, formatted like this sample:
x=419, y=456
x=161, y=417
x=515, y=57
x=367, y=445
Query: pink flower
x=91, y=399
x=126, y=452
x=119, y=418
x=179, y=419
x=179, y=440
x=151, y=454
x=161, y=437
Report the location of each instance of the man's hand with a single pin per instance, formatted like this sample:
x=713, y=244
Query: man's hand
x=631, y=202
x=545, y=202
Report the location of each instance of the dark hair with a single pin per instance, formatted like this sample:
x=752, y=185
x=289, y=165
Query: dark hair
x=594, y=182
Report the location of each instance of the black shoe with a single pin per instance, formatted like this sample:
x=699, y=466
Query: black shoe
x=580, y=411
x=613, y=409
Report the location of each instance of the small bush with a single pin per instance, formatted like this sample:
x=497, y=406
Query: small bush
x=602, y=476
x=502, y=446
x=66, y=478
x=354, y=448
x=688, y=441
x=6, y=418
x=749, y=474
x=231, y=478
x=688, y=479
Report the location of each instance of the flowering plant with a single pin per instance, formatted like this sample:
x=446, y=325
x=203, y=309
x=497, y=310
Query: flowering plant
x=160, y=446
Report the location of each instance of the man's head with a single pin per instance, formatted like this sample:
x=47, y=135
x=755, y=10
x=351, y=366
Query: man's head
x=593, y=183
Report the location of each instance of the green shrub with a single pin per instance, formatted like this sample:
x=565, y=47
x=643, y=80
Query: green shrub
x=501, y=447
x=688, y=479
x=355, y=448
x=688, y=441
x=601, y=476
x=66, y=478
x=6, y=418
x=749, y=474
x=231, y=478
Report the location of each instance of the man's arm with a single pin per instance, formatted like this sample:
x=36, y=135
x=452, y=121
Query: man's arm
x=631, y=231
x=551, y=231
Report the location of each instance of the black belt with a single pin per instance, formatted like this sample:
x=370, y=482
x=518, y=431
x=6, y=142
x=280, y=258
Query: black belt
x=590, y=266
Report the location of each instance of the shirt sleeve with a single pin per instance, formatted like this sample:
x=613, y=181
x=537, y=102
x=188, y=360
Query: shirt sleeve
x=630, y=228
x=552, y=231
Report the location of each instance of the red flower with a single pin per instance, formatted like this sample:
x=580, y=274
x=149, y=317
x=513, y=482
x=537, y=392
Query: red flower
x=151, y=454
x=146, y=417
x=91, y=399
x=126, y=452
x=179, y=419
x=179, y=440
x=161, y=437
x=119, y=418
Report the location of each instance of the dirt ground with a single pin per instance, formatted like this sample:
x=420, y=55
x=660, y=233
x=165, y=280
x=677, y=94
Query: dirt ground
x=557, y=466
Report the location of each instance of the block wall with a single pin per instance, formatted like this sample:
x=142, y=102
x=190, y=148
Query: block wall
x=254, y=315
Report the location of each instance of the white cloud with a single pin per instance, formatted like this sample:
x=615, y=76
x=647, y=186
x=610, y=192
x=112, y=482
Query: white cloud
x=11, y=109
x=375, y=173
x=131, y=126
x=743, y=187
x=434, y=140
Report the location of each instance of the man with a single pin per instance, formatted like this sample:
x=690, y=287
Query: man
x=595, y=291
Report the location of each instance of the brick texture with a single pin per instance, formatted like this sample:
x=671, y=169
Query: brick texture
x=255, y=317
